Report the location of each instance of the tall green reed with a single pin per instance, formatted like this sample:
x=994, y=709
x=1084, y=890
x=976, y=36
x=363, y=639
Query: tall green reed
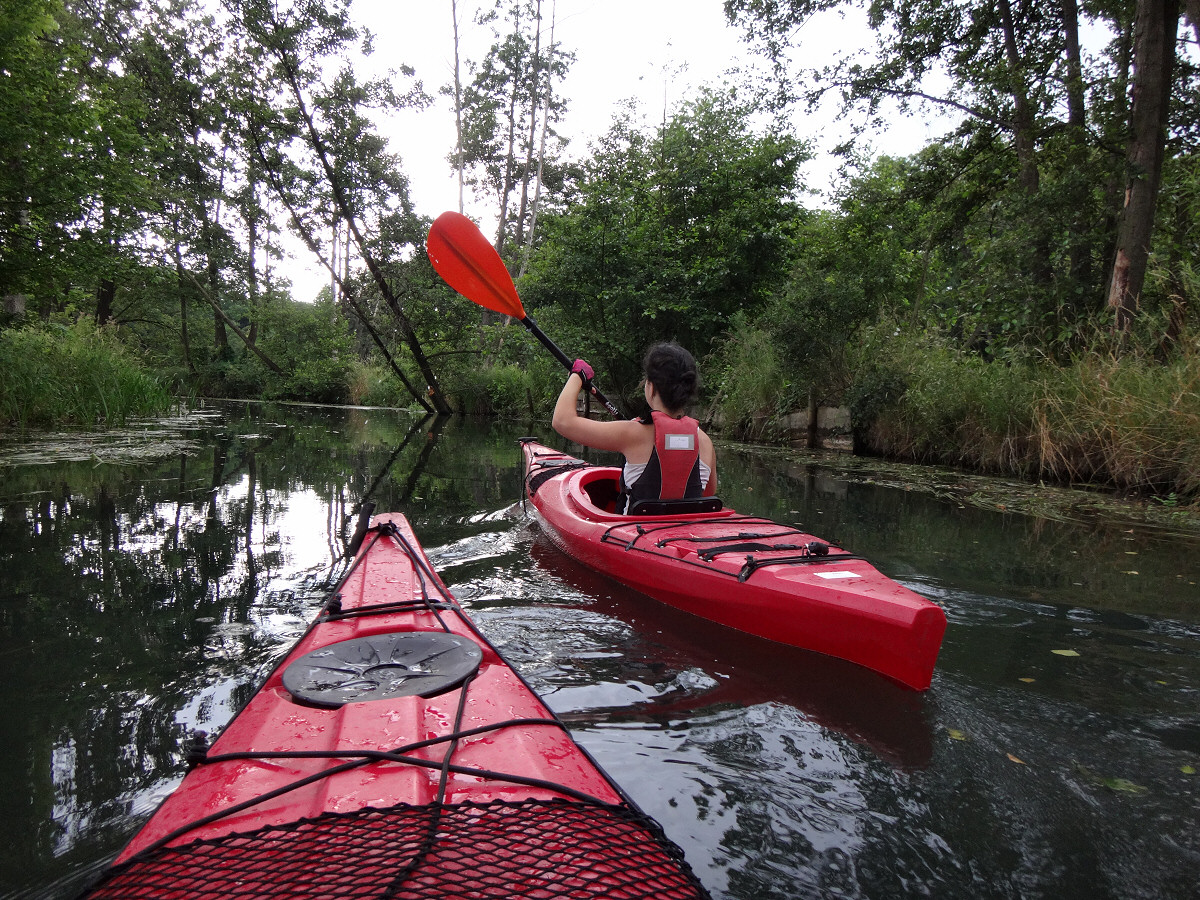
x=77, y=375
x=1129, y=421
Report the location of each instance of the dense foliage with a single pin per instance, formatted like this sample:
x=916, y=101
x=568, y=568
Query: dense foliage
x=673, y=230
x=990, y=299
x=78, y=374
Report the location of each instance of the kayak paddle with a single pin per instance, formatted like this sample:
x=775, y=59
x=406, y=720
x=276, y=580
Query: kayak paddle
x=469, y=264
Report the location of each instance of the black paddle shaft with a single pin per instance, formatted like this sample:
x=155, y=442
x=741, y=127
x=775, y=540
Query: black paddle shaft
x=567, y=363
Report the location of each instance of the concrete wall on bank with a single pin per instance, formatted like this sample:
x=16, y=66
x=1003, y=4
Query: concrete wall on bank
x=833, y=427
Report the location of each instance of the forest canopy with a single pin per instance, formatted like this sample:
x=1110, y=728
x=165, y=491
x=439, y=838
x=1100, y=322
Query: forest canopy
x=154, y=154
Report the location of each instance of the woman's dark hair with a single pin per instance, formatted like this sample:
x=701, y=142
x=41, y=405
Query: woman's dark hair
x=672, y=371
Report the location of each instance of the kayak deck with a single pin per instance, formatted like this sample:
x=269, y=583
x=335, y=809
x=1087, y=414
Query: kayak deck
x=394, y=753
x=747, y=572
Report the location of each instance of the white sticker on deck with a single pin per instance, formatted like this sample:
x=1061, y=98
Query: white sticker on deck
x=838, y=575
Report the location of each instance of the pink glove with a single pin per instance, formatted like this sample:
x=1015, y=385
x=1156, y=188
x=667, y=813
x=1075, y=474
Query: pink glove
x=583, y=370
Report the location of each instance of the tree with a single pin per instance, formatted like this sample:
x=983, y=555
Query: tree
x=146, y=151
x=176, y=58
x=1017, y=76
x=507, y=111
x=459, y=162
x=674, y=230
x=73, y=166
x=324, y=160
x=1154, y=57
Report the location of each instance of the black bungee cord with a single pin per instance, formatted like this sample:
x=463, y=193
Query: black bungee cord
x=360, y=758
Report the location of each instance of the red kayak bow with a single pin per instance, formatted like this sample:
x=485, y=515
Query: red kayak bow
x=394, y=753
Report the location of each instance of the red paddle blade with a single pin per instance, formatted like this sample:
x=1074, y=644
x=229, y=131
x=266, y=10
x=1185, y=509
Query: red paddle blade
x=469, y=264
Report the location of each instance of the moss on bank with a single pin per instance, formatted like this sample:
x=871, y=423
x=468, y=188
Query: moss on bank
x=1164, y=516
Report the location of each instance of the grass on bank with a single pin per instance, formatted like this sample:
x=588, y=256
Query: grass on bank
x=1126, y=421
x=1129, y=421
x=77, y=374
x=1134, y=423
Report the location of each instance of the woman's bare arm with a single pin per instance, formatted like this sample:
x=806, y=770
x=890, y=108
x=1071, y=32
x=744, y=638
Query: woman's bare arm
x=708, y=453
x=621, y=437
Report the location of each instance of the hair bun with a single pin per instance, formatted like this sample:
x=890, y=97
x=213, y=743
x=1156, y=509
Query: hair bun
x=672, y=371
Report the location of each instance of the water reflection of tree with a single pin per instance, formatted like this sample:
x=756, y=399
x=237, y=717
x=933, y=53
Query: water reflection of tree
x=104, y=583
x=128, y=595
x=346, y=507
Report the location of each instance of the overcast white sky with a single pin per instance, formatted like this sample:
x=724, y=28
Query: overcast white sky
x=658, y=51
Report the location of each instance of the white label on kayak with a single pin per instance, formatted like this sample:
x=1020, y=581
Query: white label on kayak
x=838, y=575
x=681, y=442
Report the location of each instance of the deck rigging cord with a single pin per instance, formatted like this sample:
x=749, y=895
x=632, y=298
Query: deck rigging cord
x=197, y=751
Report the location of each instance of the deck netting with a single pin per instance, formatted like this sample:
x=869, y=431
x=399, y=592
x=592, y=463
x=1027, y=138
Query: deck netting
x=530, y=849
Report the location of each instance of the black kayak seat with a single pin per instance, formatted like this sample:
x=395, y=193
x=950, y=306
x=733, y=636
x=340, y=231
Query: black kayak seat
x=654, y=507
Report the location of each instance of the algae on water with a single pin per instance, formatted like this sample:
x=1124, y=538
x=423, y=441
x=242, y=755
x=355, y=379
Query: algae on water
x=136, y=443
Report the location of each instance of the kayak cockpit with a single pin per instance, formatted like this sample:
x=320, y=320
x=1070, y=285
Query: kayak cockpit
x=599, y=489
x=595, y=493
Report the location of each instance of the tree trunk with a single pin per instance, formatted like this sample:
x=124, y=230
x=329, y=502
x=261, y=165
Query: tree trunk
x=224, y=317
x=1079, y=252
x=458, y=141
x=183, y=312
x=1114, y=185
x=1075, y=94
x=251, y=261
x=440, y=404
x=317, y=144
x=220, y=338
x=1023, y=124
x=545, y=103
x=104, y=301
x=379, y=342
x=527, y=174
x=311, y=242
x=1024, y=143
x=208, y=235
x=510, y=158
x=1153, y=59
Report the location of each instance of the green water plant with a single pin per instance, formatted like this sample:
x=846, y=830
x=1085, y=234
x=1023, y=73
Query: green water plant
x=1124, y=419
x=915, y=396
x=73, y=375
x=750, y=381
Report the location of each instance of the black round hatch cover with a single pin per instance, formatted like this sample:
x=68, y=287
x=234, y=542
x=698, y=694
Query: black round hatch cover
x=382, y=666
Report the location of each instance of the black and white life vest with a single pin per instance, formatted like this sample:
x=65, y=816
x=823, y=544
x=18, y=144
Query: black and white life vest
x=673, y=471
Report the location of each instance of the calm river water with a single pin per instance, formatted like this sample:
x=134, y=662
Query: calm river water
x=1055, y=755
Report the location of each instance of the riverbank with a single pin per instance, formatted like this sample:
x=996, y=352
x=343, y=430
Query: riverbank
x=1062, y=503
x=1126, y=423
x=175, y=435
x=74, y=375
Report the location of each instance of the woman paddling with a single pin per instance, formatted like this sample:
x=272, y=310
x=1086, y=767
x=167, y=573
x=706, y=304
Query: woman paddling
x=667, y=455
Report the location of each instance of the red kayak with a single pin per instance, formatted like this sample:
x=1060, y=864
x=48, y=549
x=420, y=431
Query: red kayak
x=746, y=572
x=394, y=753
